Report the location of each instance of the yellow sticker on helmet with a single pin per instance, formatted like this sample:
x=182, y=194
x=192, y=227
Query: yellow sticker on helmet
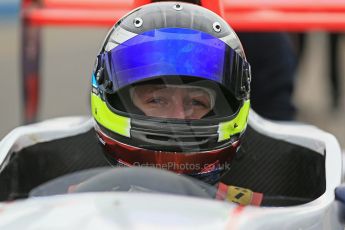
x=107, y=118
x=236, y=125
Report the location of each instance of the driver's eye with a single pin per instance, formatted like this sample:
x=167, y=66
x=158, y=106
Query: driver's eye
x=156, y=101
x=198, y=103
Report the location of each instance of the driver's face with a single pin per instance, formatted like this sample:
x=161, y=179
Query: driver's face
x=171, y=101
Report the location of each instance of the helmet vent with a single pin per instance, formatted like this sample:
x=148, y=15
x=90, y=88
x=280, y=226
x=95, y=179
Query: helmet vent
x=185, y=140
x=216, y=27
x=178, y=7
x=100, y=76
x=138, y=22
x=158, y=138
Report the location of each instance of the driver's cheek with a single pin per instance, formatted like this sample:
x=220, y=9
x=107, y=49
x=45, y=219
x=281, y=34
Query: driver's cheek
x=196, y=112
x=183, y=110
x=176, y=111
x=193, y=111
x=161, y=110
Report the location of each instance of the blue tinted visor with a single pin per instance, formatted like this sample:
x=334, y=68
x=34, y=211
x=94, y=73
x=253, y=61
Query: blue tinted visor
x=175, y=52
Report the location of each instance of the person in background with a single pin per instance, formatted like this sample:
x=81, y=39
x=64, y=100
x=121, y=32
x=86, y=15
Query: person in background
x=274, y=64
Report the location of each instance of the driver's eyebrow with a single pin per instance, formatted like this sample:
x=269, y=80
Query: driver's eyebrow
x=147, y=89
x=193, y=89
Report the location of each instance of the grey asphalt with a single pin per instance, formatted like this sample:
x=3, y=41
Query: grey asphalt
x=68, y=57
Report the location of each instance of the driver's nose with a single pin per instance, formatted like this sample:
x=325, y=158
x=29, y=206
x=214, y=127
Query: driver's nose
x=178, y=110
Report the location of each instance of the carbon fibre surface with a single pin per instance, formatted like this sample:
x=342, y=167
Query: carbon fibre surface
x=273, y=167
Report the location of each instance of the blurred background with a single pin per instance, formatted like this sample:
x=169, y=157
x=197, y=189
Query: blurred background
x=67, y=60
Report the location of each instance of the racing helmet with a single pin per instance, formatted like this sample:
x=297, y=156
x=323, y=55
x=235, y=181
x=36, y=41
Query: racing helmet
x=157, y=56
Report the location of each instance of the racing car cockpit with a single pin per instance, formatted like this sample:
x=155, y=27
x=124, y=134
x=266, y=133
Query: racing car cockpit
x=289, y=165
x=295, y=166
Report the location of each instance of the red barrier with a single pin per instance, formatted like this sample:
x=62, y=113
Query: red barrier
x=244, y=21
x=258, y=15
x=281, y=5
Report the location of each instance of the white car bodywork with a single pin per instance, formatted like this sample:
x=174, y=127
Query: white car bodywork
x=157, y=211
